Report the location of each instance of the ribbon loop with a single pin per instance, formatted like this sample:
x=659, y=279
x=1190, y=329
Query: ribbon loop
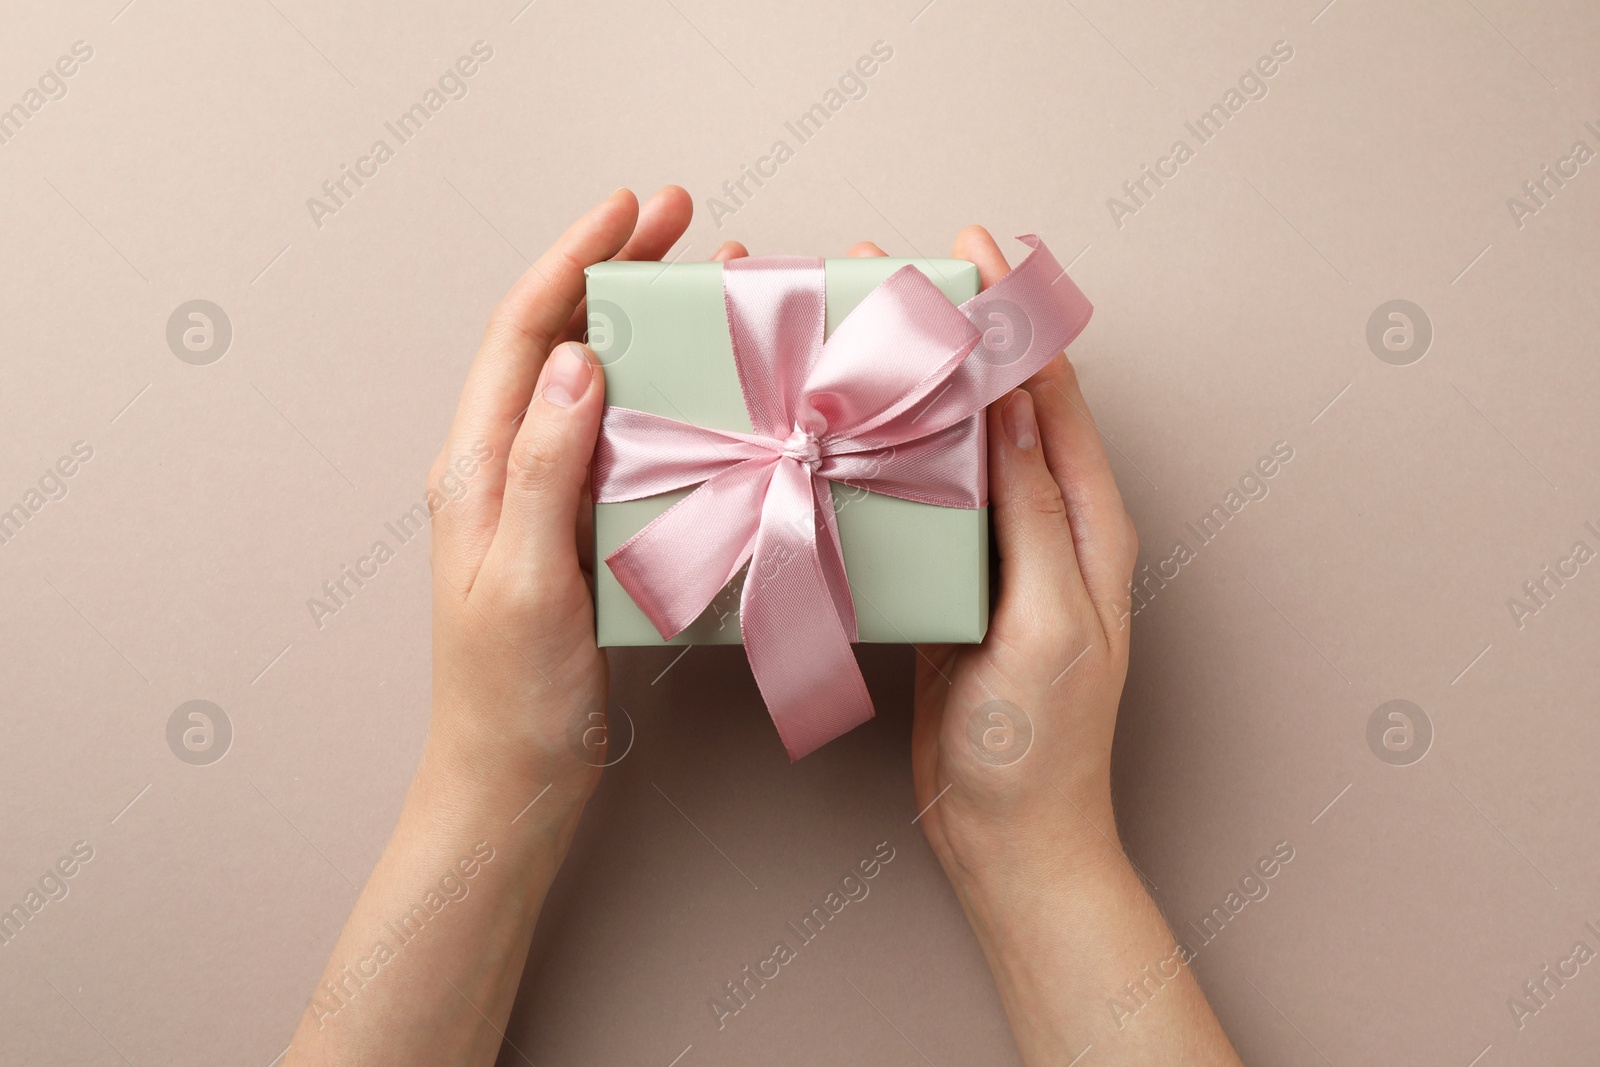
x=893, y=402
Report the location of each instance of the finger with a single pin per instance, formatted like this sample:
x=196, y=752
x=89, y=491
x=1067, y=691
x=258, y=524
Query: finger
x=1103, y=534
x=1102, y=530
x=501, y=380
x=585, y=539
x=729, y=250
x=662, y=220
x=548, y=470
x=975, y=245
x=1041, y=593
x=865, y=250
x=524, y=327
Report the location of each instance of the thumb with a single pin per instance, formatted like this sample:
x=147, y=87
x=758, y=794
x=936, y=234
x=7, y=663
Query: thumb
x=1040, y=587
x=547, y=470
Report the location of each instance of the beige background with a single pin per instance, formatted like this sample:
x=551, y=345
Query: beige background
x=1232, y=315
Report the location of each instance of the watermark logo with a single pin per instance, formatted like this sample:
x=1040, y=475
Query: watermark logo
x=1542, y=188
x=454, y=483
x=1399, y=733
x=337, y=192
x=999, y=733
x=1539, y=991
x=340, y=990
x=610, y=332
x=50, y=87
x=199, y=733
x=51, y=486
x=1251, y=888
x=1007, y=333
x=199, y=332
x=851, y=86
x=1251, y=487
x=1252, y=85
x=1399, y=333
x=599, y=738
x=1538, y=591
x=853, y=887
x=52, y=886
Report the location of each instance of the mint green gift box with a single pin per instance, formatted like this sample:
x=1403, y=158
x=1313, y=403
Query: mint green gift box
x=918, y=572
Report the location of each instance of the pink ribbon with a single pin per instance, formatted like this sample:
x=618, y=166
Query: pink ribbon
x=893, y=403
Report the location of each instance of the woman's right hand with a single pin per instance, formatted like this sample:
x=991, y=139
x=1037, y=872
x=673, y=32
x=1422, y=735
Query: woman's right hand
x=1011, y=748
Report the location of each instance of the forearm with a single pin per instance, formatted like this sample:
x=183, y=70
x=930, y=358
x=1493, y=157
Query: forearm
x=427, y=967
x=1080, y=954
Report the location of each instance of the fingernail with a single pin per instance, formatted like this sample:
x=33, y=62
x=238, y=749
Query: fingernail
x=566, y=375
x=1017, y=418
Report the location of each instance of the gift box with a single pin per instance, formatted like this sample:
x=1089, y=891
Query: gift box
x=917, y=572
x=815, y=428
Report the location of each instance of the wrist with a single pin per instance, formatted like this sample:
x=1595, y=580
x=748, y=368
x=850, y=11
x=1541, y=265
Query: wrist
x=1057, y=839
x=466, y=772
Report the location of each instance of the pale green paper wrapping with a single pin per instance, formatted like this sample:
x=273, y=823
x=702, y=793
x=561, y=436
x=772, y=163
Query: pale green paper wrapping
x=917, y=572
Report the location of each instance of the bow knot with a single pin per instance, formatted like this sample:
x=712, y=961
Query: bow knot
x=890, y=403
x=803, y=447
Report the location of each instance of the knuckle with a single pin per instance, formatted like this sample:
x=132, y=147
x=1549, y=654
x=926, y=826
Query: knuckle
x=1040, y=498
x=435, y=474
x=506, y=597
x=567, y=261
x=1130, y=544
x=1068, y=371
x=1060, y=373
x=535, y=464
x=508, y=325
x=444, y=485
x=1115, y=617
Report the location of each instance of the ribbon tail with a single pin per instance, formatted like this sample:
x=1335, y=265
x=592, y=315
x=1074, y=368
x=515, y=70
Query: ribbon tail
x=830, y=553
x=798, y=648
x=676, y=566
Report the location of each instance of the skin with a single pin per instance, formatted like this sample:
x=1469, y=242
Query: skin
x=1029, y=844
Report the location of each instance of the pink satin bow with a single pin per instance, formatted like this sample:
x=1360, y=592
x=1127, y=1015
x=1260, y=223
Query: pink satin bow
x=893, y=402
